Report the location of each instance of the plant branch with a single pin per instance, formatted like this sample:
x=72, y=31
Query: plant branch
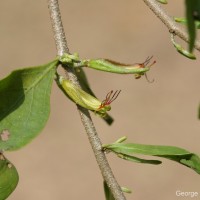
x=61, y=45
x=169, y=21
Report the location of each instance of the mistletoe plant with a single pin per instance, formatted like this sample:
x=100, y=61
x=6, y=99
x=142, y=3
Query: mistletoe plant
x=25, y=102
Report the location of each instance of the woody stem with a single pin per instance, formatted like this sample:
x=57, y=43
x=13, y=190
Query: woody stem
x=61, y=45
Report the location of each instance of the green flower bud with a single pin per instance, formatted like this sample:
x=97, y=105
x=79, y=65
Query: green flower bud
x=86, y=100
x=126, y=190
x=138, y=69
x=162, y=1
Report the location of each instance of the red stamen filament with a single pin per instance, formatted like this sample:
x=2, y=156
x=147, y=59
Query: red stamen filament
x=148, y=59
x=110, y=98
x=146, y=62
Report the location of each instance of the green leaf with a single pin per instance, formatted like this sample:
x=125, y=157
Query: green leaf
x=177, y=154
x=199, y=112
x=25, y=104
x=8, y=177
x=145, y=149
x=107, y=192
x=138, y=160
x=192, y=13
x=122, y=139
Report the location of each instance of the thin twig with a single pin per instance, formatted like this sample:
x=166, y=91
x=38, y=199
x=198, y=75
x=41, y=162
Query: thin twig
x=169, y=21
x=61, y=45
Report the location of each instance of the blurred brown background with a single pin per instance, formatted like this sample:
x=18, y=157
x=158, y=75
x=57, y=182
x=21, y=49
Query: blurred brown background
x=59, y=164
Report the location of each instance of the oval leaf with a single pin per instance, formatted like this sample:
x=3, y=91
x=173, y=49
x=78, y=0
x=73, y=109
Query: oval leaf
x=144, y=149
x=8, y=177
x=24, y=104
